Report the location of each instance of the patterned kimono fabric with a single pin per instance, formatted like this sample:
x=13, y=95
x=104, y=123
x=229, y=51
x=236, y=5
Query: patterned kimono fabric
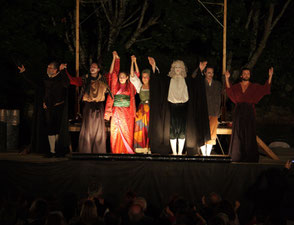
x=122, y=109
x=141, y=139
x=122, y=122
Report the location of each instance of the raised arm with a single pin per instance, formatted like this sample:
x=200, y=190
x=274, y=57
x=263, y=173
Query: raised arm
x=202, y=66
x=262, y=90
x=200, y=69
x=227, y=77
x=135, y=78
x=22, y=71
x=76, y=81
x=229, y=89
x=114, y=68
x=63, y=72
x=134, y=64
x=152, y=63
x=137, y=72
x=112, y=63
x=114, y=72
x=270, y=74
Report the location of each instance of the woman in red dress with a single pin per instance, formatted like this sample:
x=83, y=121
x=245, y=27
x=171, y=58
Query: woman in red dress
x=121, y=108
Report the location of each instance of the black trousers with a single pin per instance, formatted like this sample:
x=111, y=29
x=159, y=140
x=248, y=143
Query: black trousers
x=53, y=117
x=178, y=115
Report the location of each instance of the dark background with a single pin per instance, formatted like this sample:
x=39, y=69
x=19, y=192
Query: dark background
x=35, y=32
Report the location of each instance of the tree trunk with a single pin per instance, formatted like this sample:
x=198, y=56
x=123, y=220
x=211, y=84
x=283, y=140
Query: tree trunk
x=266, y=34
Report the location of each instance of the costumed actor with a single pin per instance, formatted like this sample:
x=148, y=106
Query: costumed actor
x=178, y=111
x=177, y=97
x=141, y=138
x=55, y=110
x=243, y=145
x=92, y=137
x=122, y=109
x=213, y=96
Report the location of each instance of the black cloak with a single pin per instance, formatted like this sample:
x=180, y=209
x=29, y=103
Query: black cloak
x=197, y=127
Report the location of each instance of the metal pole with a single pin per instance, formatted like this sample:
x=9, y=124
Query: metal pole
x=77, y=104
x=224, y=97
x=225, y=37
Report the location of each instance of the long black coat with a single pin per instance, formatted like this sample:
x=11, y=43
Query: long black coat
x=197, y=127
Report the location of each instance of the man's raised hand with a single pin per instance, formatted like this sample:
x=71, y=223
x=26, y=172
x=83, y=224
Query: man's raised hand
x=271, y=71
x=133, y=58
x=227, y=74
x=202, y=65
x=115, y=55
x=21, y=68
x=62, y=66
x=151, y=61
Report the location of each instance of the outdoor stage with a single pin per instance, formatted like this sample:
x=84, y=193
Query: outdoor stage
x=152, y=176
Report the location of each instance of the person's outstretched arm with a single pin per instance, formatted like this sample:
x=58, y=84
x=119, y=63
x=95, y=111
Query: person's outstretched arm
x=135, y=78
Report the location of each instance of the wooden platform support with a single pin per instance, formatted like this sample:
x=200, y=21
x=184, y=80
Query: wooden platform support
x=264, y=147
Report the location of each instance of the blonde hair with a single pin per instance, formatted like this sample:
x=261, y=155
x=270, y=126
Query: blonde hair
x=180, y=63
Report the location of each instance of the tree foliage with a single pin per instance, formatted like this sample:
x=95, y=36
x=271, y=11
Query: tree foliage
x=259, y=34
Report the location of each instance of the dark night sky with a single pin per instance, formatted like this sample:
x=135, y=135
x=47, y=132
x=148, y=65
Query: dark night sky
x=34, y=33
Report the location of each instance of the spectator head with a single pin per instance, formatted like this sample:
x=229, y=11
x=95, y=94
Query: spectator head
x=219, y=219
x=213, y=198
x=180, y=206
x=141, y=202
x=38, y=209
x=112, y=218
x=94, y=190
x=129, y=197
x=88, y=211
x=55, y=218
x=227, y=208
x=135, y=213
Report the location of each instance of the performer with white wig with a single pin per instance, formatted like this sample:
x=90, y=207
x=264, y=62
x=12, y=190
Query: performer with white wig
x=178, y=111
x=177, y=97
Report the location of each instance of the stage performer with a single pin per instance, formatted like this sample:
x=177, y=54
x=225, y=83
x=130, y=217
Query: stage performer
x=213, y=96
x=177, y=97
x=141, y=139
x=178, y=111
x=54, y=117
x=92, y=137
x=243, y=145
x=54, y=104
x=122, y=109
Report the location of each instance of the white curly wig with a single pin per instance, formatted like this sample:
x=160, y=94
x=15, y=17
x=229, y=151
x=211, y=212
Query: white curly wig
x=180, y=63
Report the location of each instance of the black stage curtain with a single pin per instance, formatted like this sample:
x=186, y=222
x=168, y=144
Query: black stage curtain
x=154, y=180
